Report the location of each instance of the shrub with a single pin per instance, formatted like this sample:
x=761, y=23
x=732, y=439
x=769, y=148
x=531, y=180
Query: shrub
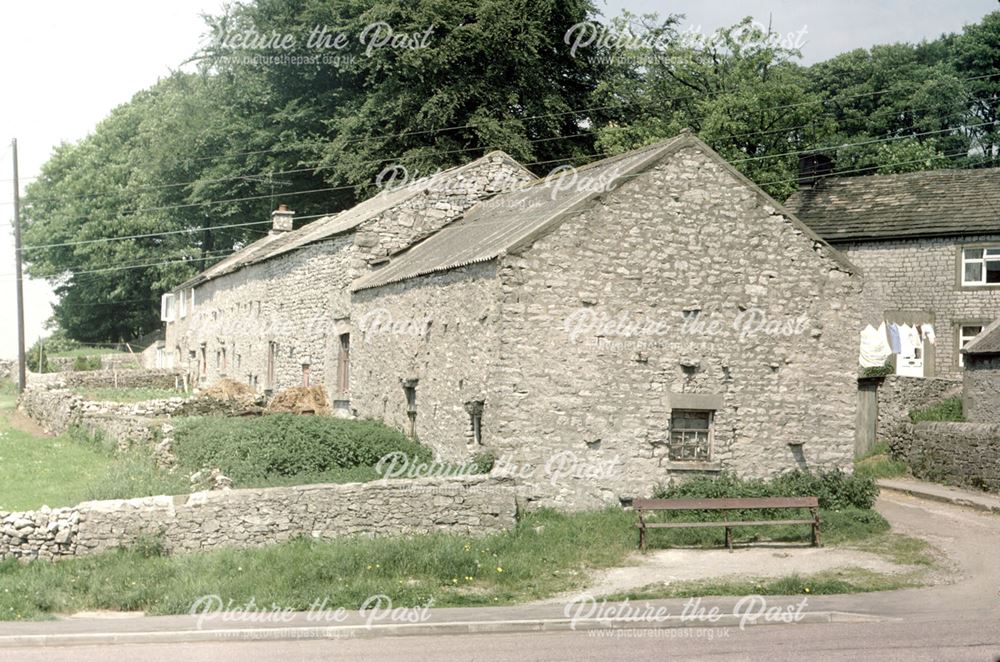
x=83, y=363
x=835, y=489
x=252, y=449
x=946, y=410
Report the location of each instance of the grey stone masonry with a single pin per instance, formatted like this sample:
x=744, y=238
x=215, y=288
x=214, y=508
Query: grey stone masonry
x=684, y=288
x=981, y=388
x=923, y=276
x=470, y=505
x=964, y=454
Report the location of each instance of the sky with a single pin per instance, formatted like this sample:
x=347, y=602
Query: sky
x=70, y=62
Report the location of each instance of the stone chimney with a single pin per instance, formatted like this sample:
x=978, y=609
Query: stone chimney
x=813, y=166
x=282, y=219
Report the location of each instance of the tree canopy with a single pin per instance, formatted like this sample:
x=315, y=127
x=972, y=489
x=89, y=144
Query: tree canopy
x=305, y=102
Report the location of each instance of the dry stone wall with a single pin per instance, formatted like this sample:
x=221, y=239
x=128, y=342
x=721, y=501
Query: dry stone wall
x=474, y=505
x=111, y=378
x=964, y=454
x=898, y=396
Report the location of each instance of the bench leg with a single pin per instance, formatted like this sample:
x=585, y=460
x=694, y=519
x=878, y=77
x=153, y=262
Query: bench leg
x=729, y=539
x=816, y=540
x=642, y=539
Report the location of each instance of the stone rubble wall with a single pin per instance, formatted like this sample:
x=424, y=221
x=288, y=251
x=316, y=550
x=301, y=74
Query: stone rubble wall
x=121, y=361
x=963, y=454
x=898, y=396
x=467, y=505
x=8, y=369
x=110, y=378
x=58, y=410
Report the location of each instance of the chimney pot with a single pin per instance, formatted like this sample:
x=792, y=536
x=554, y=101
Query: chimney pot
x=282, y=219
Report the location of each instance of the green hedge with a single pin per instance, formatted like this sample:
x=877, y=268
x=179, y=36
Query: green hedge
x=284, y=445
x=835, y=489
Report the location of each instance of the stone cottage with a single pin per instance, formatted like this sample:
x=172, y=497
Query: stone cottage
x=276, y=314
x=981, y=377
x=646, y=317
x=928, y=244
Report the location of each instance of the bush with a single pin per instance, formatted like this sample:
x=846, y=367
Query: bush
x=83, y=363
x=946, y=410
x=835, y=489
x=283, y=445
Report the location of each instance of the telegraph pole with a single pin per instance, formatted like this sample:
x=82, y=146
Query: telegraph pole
x=21, y=361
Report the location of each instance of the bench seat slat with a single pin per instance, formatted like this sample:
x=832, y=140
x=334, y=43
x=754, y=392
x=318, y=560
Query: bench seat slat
x=726, y=504
x=721, y=523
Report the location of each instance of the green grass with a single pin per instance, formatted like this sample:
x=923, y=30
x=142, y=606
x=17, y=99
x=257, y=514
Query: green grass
x=879, y=463
x=54, y=471
x=946, y=410
x=545, y=554
x=70, y=468
x=110, y=394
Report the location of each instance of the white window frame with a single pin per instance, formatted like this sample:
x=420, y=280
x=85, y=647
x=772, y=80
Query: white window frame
x=985, y=254
x=183, y=309
x=168, y=308
x=964, y=340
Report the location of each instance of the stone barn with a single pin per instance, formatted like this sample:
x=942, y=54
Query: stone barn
x=648, y=317
x=981, y=379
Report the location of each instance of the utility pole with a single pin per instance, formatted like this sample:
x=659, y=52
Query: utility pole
x=21, y=361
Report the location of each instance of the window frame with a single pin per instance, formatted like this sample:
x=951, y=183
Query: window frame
x=962, y=261
x=960, y=326
x=709, y=431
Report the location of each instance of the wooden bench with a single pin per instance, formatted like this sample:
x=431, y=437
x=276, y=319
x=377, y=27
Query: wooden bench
x=643, y=506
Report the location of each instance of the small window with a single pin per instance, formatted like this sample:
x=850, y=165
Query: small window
x=690, y=435
x=475, y=409
x=965, y=336
x=272, y=352
x=981, y=266
x=305, y=374
x=344, y=363
x=410, y=389
x=183, y=305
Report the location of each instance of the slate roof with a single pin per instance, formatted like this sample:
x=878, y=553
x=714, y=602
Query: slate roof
x=934, y=203
x=987, y=342
x=517, y=218
x=327, y=227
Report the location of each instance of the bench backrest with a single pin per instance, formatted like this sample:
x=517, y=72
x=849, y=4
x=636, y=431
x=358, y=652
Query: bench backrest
x=726, y=504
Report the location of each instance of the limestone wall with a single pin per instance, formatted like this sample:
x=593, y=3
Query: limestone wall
x=922, y=275
x=964, y=454
x=981, y=389
x=474, y=505
x=110, y=378
x=119, y=361
x=898, y=396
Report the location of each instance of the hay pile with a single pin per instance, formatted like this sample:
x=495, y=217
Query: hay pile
x=300, y=400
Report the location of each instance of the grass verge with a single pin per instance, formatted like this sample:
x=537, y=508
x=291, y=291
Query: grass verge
x=545, y=554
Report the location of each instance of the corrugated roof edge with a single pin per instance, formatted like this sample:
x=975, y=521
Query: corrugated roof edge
x=975, y=345
x=200, y=278
x=658, y=151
